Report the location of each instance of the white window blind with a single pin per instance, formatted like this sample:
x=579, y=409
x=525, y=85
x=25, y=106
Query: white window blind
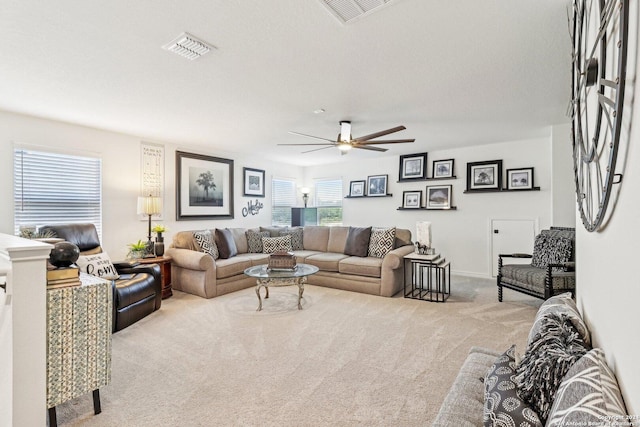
x=283, y=198
x=51, y=188
x=329, y=201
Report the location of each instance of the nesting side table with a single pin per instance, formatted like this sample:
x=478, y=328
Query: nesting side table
x=427, y=277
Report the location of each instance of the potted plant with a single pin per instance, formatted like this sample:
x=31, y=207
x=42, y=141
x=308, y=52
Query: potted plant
x=137, y=250
x=159, y=229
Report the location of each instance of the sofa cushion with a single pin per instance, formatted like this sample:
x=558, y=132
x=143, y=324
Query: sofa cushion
x=326, y=261
x=274, y=244
x=337, y=239
x=315, y=238
x=99, y=265
x=358, y=241
x=254, y=241
x=502, y=405
x=382, y=241
x=546, y=361
x=296, y=237
x=205, y=240
x=232, y=266
x=359, y=266
x=533, y=278
x=226, y=243
x=560, y=304
x=551, y=249
x=240, y=239
x=588, y=394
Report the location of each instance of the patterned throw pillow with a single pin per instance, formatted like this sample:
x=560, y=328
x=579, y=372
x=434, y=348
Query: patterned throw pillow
x=502, y=405
x=254, y=240
x=546, y=361
x=564, y=304
x=381, y=241
x=207, y=244
x=296, y=237
x=551, y=249
x=99, y=265
x=588, y=395
x=274, y=244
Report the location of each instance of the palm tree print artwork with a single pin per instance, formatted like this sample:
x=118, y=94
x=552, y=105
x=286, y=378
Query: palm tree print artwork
x=204, y=190
x=484, y=176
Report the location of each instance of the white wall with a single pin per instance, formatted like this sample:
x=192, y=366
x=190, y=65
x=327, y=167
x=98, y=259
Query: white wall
x=563, y=201
x=121, y=177
x=463, y=235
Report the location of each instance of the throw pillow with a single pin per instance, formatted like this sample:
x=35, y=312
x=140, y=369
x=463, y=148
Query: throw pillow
x=296, y=238
x=358, y=241
x=546, y=361
x=381, y=241
x=502, y=405
x=551, y=249
x=226, y=245
x=588, y=395
x=274, y=244
x=564, y=304
x=205, y=241
x=99, y=265
x=254, y=240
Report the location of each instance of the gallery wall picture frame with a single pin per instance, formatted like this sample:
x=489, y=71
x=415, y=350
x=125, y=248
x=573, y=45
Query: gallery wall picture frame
x=411, y=199
x=253, y=182
x=204, y=187
x=357, y=188
x=484, y=176
x=439, y=196
x=413, y=167
x=442, y=168
x=377, y=185
x=520, y=179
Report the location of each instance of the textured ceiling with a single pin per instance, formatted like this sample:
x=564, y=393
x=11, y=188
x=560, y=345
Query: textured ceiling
x=455, y=73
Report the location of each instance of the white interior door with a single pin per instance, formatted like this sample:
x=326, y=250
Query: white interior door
x=511, y=236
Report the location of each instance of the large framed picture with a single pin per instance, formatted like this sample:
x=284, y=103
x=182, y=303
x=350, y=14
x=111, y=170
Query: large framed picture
x=413, y=167
x=442, y=168
x=204, y=187
x=412, y=199
x=520, y=179
x=253, y=180
x=377, y=185
x=439, y=196
x=485, y=175
x=356, y=188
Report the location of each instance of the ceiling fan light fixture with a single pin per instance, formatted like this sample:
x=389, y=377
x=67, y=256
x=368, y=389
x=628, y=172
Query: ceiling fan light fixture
x=344, y=147
x=345, y=132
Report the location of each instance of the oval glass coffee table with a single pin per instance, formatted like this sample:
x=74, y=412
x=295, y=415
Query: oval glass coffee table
x=266, y=277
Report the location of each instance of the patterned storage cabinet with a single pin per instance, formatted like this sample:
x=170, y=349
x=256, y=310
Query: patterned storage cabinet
x=79, y=339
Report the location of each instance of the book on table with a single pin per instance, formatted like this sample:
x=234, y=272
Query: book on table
x=63, y=273
x=63, y=283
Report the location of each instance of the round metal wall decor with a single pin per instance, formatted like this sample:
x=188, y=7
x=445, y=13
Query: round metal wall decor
x=600, y=39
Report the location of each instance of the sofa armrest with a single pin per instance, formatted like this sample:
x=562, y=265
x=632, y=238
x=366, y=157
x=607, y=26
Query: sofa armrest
x=191, y=260
x=394, y=259
x=392, y=271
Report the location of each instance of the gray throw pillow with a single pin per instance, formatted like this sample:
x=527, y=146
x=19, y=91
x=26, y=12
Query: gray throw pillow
x=564, y=304
x=226, y=245
x=358, y=241
x=296, y=237
x=254, y=240
x=550, y=249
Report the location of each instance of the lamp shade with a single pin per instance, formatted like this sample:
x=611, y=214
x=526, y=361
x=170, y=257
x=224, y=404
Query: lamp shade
x=149, y=205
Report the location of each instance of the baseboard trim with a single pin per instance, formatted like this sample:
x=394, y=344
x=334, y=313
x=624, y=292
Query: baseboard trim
x=472, y=274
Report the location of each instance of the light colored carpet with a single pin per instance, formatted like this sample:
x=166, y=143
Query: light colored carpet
x=346, y=359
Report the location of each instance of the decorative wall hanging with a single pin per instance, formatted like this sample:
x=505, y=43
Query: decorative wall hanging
x=253, y=180
x=442, y=169
x=152, y=173
x=204, y=187
x=412, y=199
x=439, y=196
x=356, y=188
x=413, y=167
x=520, y=179
x=484, y=176
x=377, y=185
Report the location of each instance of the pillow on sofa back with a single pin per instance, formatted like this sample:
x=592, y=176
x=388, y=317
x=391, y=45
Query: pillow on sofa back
x=560, y=304
x=99, y=265
x=275, y=244
x=207, y=245
x=226, y=244
x=381, y=241
x=296, y=237
x=358, y=241
x=550, y=249
x=254, y=240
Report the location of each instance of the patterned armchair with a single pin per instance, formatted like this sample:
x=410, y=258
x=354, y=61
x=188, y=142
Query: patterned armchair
x=552, y=268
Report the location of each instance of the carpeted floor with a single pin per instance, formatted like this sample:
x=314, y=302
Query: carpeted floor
x=346, y=359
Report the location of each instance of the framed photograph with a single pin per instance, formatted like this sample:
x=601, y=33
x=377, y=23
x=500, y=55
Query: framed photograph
x=356, y=189
x=520, y=179
x=377, y=185
x=412, y=199
x=484, y=175
x=253, y=182
x=442, y=168
x=439, y=196
x=204, y=187
x=413, y=167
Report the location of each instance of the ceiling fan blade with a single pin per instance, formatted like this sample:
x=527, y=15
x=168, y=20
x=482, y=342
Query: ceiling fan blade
x=381, y=133
x=315, y=149
x=366, y=147
x=311, y=136
x=385, y=141
x=311, y=144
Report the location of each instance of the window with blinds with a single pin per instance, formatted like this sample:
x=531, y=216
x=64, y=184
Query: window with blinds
x=283, y=198
x=328, y=197
x=52, y=188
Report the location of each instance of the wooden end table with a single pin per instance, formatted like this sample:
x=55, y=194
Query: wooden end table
x=165, y=268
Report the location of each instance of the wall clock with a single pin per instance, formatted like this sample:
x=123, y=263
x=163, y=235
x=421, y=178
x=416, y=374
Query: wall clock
x=600, y=39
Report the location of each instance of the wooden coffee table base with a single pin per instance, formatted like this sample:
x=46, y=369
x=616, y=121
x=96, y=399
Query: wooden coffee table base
x=265, y=283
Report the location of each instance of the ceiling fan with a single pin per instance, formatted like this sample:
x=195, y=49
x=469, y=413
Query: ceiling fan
x=346, y=142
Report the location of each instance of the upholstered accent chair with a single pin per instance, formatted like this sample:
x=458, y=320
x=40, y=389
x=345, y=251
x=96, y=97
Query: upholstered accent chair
x=138, y=291
x=552, y=268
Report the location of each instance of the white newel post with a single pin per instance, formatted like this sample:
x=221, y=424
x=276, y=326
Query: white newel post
x=23, y=388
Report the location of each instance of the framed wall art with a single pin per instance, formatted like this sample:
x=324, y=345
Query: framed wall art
x=485, y=175
x=204, y=187
x=356, y=188
x=439, y=196
x=413, y=167
x=253, y=181
x=377, y=185
x=412, y=199
x=442, y=168
x=520, y=179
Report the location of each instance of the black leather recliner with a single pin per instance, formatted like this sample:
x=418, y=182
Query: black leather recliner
x=136, y=294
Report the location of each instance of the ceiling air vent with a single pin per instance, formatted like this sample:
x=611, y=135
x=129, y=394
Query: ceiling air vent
x=188, y=46
x=348, y=10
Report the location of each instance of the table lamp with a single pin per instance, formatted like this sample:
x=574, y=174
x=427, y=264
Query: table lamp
x=149, y=205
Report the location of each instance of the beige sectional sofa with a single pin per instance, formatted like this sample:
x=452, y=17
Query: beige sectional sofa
x=198, y=273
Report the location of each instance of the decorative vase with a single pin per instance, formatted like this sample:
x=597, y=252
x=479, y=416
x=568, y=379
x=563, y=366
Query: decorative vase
x=64, y=254
x=159, y=246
